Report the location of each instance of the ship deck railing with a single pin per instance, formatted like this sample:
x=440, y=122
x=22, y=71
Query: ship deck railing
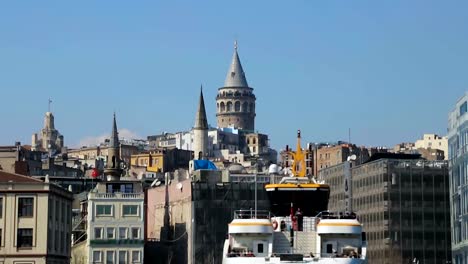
x=336, y=215
x=252, y=214
x=234, y=254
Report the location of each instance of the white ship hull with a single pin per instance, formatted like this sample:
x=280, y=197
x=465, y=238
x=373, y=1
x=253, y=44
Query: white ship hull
x=257, y=260
x=330, y=239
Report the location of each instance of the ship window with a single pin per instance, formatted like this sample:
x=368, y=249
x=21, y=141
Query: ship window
x=260, y=248
x=329, y=248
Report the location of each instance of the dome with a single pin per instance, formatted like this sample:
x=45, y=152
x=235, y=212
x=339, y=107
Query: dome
x=236, y=168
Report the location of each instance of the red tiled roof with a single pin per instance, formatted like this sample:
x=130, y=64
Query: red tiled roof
x=7, y=177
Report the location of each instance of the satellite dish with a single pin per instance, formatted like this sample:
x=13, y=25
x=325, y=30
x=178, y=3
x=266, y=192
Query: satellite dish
x=273, y=169
x=352, y=157
x=156, y=183
x=179, y=186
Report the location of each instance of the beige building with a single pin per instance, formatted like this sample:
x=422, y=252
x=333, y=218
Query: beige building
x=319, y=157
x=431, y=147
x=35, y=221
x=20, y=159
x=96, y=152
x=433, y=141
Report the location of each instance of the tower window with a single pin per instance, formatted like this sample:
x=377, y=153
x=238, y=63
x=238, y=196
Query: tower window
x=245, y=107
x=237, y=106
x=222, y=107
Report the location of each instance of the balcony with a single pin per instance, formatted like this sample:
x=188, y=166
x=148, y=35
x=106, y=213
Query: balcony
x=117, y=242
x=116, y=195
x=235, y=96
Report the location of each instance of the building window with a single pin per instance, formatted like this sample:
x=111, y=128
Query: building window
x=110, y=233
x=260, y=248
x=98, y=232
x=25, y=207
x=97, y=256
x=63, y=212
x=1, y=237
x=329, y=248
x=135, y=232
x=68, y=215
x=104, y=210
x=57, y=210
x=1, y=207
x=122, y=233
x=110, y=257
x=122, y=257
x=136, y=256
x=463, y=108
x=130, y=210
x=25, y=237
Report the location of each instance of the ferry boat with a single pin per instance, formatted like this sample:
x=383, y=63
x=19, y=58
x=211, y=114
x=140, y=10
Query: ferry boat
x=299, y=229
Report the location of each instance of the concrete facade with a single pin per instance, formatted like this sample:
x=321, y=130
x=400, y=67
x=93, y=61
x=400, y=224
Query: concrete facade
x=320, y=156
x=433, y=141
x=403, y=205
x=35, y=221
x=188, y=220
x=101, y=152
x=159, y=161
x=458, y=160
x=20, y=159
x=115, y=223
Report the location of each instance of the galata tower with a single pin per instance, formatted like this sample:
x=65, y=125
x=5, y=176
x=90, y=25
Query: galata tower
x=235, y=102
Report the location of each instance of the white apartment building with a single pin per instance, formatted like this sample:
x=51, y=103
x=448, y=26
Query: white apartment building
x=458, y=172
x=115, y=223
x=433, y=141
x=35, y=221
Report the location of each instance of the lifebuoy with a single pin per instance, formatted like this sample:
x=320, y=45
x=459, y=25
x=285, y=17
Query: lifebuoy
x=275, y=224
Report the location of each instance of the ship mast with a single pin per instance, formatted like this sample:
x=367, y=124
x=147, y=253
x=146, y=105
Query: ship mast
x=298, y=167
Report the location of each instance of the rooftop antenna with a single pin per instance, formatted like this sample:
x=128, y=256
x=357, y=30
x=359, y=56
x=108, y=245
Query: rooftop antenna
x=349, y=136
x=50, y=101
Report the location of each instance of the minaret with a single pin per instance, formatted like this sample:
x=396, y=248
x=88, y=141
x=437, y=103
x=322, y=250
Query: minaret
x=200, y=131
x=235, y=102
x=113, y=170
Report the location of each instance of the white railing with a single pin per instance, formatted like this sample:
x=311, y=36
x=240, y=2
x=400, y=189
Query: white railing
x=117, y=195
x=251, y=214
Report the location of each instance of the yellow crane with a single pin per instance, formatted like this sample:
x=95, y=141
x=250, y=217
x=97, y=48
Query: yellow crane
x=298, y=166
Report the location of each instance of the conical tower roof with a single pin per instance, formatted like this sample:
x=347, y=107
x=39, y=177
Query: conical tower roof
x=114, y=139
x=201, y=122
x=235, y=76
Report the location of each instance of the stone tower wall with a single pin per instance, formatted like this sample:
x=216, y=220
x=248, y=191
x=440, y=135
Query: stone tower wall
x=236, y=106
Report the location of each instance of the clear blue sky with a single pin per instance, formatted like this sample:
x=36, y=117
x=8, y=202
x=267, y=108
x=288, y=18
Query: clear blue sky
x=389, y=70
